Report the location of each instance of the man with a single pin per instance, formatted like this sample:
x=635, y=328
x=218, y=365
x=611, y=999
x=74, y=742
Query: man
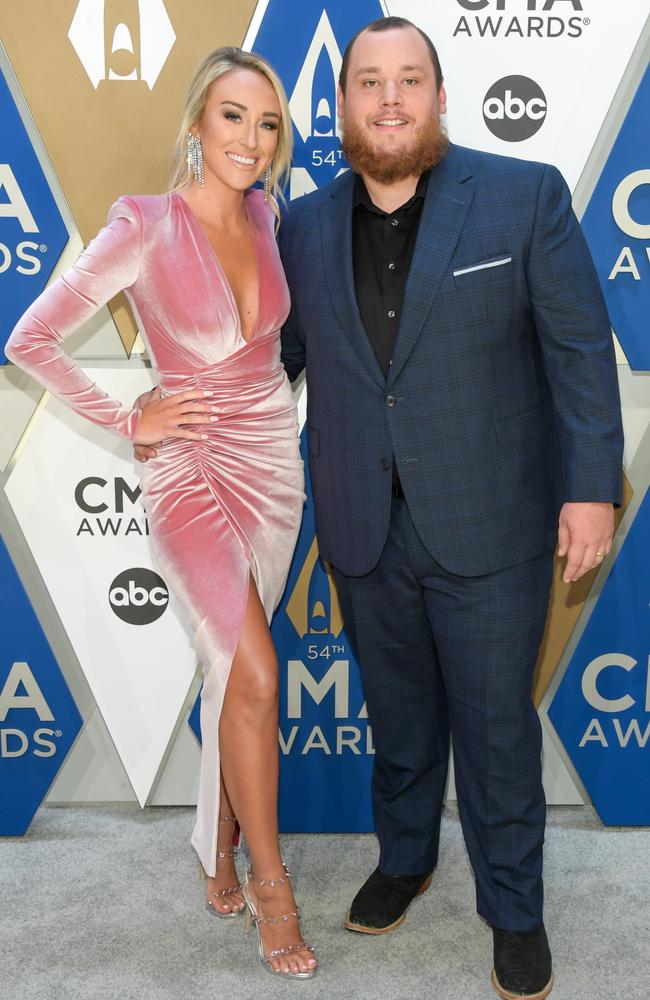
x=462, y=394
x=462, y=397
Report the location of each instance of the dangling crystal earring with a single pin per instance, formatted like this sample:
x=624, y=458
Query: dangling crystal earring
x=267, y=183
x=195, y=158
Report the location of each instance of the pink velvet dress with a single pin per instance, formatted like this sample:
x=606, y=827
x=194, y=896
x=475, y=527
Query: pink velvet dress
x=220, y=509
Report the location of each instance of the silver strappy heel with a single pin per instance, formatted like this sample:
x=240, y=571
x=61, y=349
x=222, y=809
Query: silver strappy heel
x=210, y=905
x=253, y=917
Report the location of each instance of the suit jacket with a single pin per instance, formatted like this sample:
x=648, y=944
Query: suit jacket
x=502, y=398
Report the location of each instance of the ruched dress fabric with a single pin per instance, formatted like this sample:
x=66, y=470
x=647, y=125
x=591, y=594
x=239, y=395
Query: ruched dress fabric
x=222, y=509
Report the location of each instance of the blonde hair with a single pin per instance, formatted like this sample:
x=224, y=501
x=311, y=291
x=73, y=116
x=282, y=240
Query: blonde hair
x=215, y=65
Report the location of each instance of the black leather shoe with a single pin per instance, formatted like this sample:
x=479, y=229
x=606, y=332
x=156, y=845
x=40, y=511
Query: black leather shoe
x=381, y=903
x=522, y=964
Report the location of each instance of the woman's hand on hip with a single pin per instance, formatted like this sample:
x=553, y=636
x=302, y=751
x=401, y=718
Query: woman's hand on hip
x=172, y=416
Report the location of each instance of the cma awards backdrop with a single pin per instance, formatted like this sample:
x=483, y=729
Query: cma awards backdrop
x=91, y=93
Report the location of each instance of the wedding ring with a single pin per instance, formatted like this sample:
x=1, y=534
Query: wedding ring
x=600, y=555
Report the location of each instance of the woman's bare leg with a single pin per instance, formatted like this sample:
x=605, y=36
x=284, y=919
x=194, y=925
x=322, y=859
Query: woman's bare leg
x=226, y=874
x=248, y=743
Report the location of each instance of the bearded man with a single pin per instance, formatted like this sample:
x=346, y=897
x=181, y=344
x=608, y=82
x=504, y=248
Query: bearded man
x=462, y=404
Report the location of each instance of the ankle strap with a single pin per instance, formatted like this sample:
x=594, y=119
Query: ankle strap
x=276, y=880
x=290, y=949
x=225, y=892
x=281, y=919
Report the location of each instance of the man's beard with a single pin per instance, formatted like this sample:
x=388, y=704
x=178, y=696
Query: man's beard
x=429, y=147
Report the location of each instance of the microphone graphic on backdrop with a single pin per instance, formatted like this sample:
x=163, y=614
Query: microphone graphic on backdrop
x=122, y=54
x=122, y=41
x=322, y=111
x=318, y=601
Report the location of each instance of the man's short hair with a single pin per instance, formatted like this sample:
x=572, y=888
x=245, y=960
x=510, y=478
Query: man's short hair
x=386, y=24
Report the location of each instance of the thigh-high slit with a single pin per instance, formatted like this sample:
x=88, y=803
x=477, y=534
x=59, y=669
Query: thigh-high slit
x=210, y=566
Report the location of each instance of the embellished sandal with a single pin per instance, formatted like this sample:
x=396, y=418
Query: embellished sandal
x=211, y=903
x=253, y=917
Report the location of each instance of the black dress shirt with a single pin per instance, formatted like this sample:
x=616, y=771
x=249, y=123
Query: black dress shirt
x=382, y=247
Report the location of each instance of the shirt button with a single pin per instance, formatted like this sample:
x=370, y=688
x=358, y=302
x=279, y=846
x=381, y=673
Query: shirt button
x=385, y=464
x=391, y=267
x=390, y=401
x=394, y=222
x=391, y=314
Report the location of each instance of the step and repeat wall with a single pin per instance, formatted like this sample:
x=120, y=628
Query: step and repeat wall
x=91, y=93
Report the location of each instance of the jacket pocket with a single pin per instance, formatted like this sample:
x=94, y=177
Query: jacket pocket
x=503, y=260
x=522, y=426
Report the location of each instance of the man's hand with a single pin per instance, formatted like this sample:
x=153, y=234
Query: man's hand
x=584, y=537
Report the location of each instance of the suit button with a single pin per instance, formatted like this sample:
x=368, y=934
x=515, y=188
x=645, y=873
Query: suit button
x=385, y=464
x=390, y=401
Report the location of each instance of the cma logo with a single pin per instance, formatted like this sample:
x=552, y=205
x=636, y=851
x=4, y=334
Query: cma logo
x=317, y=152
x=531, y=5
x=504, y=19
x=90, y=494
x=355, y=739
x=25, y=257
x=610, y=730
x=514, y=108
x=313, y=101
x=94, y=495
x=625, y=217
x=22, y=692
x=122, y=40
x=313, y=608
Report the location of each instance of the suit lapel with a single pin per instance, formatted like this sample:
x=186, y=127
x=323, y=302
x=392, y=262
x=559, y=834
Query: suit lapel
x=336, y=231
x=447, y=201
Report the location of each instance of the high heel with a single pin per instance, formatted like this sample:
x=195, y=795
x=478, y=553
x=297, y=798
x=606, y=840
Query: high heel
x=222, y=893
x=253, y=918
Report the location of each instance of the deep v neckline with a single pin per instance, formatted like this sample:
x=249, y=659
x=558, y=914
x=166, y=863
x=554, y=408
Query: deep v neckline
x=222, y=271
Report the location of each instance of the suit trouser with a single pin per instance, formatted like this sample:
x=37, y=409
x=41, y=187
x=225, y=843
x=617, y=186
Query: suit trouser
x=443, y=654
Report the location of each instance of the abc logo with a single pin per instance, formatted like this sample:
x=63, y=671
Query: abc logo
x=138, y=596
x=514, y=108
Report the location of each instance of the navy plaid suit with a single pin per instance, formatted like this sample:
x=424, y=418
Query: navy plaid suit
x=501, y=403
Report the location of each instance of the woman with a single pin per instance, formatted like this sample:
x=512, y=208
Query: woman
x=224, y=493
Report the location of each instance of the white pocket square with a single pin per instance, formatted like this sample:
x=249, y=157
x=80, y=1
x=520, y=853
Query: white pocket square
x=481, y=267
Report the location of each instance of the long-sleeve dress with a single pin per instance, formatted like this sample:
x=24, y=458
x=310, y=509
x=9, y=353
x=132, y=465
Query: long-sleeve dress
x=220, y=509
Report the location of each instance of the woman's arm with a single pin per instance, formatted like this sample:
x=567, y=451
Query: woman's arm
x=110, y=264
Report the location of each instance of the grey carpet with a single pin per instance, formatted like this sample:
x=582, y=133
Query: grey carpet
x=105, y=903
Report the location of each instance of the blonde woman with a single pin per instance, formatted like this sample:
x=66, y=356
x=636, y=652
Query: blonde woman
x=224, y=492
